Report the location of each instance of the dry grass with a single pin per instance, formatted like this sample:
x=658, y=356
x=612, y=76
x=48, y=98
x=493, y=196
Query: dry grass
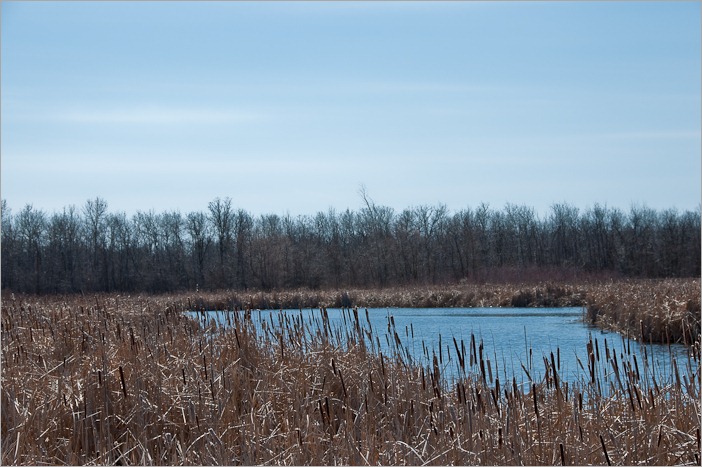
x=652, y=310
x=519, y=295
x=124, y=380
x=660, y=311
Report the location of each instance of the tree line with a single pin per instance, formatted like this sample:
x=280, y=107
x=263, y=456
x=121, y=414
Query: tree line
x=90, y=249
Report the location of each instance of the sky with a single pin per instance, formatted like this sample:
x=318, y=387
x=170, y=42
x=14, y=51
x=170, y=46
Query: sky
x=293, y=107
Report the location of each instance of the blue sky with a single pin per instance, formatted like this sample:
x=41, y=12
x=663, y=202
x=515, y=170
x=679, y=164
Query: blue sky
x=292, y=106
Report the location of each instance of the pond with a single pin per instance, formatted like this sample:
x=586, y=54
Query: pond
x=519, y=343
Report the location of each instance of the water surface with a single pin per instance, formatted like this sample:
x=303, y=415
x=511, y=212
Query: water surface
x=515, y=341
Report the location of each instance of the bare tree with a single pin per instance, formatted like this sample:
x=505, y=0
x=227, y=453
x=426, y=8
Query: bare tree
x=8, y=239
x=121, y=252
x=63, y=250
x=564, y=237
x=95, y=212
x=243, y=226
x=222, y=219
x=200, y=240
x=31, y=224
x=172, y=228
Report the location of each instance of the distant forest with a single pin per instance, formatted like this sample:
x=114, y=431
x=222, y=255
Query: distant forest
x=90, y=249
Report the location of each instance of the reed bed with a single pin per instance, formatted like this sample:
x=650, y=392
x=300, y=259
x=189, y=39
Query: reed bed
x=661, y=310
x=464, y=295
x=109, y=379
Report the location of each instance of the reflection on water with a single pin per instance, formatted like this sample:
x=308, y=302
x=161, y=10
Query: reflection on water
x=517, y=343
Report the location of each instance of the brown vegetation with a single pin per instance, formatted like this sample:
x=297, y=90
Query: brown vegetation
x=662, y=311
x=111, y=379
x=651, y=310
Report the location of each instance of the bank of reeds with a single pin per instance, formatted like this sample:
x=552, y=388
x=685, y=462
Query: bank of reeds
x=124, y=380
x=464, y=295
x=662, y=311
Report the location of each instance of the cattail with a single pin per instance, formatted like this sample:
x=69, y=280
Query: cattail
x=604, y=449
x=343, y=386
x=536, y=404
x=124, y=385
x=563, y=462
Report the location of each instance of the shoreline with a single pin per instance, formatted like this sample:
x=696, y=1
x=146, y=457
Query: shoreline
x=653, y=310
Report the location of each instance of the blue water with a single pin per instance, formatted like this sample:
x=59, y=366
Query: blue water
x=515, y=340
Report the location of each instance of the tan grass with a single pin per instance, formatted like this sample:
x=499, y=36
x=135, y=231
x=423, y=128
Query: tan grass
x=109, y=379
x=661, y=310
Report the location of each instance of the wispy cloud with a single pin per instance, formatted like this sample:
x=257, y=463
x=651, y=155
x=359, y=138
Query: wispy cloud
x=159, y=116
x=654, y=135
x=143, y=115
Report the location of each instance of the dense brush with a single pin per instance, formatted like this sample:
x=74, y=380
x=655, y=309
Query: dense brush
x=129, y=380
